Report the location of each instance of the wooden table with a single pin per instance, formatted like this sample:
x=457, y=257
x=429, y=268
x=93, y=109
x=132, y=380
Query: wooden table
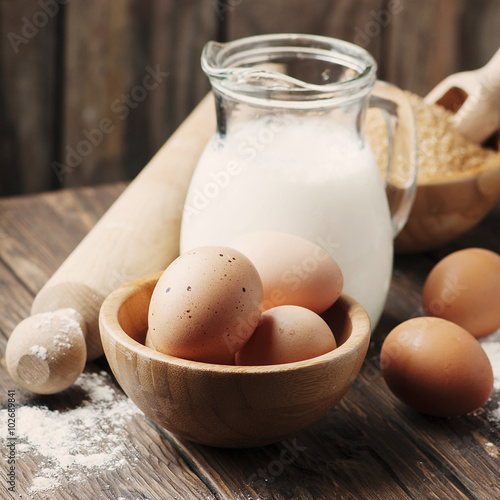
x=369, y=447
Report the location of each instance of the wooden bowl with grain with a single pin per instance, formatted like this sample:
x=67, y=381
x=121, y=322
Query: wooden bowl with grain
x=445, y=209
x=225, y=405
x=458, y=181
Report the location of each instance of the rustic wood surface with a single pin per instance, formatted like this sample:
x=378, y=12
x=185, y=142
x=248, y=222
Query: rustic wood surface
x=126, y=244
x=74, y=107
x=369, y=447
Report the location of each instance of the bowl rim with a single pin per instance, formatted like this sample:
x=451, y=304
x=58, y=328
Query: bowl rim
x=490, y=167
x=110, y=326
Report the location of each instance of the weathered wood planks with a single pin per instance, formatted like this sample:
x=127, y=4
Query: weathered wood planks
x=78, y=104
x=28, y=100
x=369, y=447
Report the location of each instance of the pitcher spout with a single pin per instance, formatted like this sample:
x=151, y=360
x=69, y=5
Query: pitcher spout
x=210, y=61
x=291, y=70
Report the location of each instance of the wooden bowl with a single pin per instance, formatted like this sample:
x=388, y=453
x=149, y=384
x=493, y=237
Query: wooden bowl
x=445, y=209
x=222, y=405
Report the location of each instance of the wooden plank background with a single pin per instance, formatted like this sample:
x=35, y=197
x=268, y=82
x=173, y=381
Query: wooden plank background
x=77, y=106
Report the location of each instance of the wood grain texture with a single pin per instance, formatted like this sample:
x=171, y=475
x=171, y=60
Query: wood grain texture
x=452, y=35
x=50, y=229
x=27, y=97
x=98, y=71
x=150, y=466
x=180, y=29
x=370, y=446
x=222, y=405
x=132, y=76
x=346, y=20
x=139, y=234
x=88, y=63
x=446, y=209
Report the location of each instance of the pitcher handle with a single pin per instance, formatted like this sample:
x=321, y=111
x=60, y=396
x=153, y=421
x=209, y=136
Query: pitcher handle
x=401, y=176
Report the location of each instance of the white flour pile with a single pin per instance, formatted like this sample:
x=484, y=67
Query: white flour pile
x=71, y=443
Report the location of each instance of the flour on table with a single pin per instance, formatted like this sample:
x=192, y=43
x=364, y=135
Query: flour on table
x=71, y=443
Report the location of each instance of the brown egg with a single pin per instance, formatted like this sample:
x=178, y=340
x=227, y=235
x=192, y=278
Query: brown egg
x=436, y=367
x=294, y=271
x=286, y=334
x=464, y=287
x=205, y=305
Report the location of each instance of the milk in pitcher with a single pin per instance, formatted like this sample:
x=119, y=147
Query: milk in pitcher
x=312, y=178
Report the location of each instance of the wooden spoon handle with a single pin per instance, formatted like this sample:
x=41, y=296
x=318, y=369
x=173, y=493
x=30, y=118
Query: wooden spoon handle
x=490, y=76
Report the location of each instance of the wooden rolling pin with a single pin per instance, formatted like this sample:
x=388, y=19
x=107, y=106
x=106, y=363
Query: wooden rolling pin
x=138, y=235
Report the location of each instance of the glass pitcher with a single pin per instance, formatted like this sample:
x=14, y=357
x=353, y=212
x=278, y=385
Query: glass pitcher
x=289, y=155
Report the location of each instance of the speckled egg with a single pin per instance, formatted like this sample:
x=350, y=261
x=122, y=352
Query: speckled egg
x=205, y=306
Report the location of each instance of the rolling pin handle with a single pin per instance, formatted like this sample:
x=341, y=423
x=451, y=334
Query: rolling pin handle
x=47, y=352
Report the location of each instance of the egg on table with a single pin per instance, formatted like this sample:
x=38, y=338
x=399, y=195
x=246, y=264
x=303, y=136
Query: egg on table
x=294, y=271
x=436, y=367
x=464, y=287
x=205, y=306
